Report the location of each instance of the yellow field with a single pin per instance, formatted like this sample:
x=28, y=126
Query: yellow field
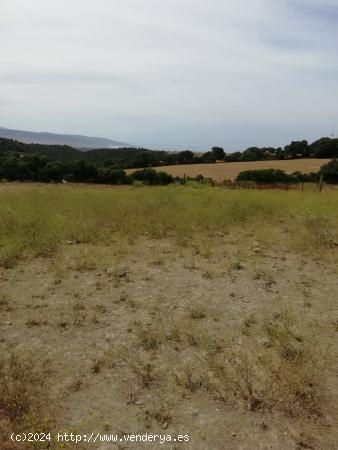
x=220, y=171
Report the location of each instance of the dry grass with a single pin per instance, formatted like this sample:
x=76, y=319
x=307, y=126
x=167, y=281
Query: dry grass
x=282, y=367
x=38, y=222
x=177, y=306
x=24, y=401
x=229, y=171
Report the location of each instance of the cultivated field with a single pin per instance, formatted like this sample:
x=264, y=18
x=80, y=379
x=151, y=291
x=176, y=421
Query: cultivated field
x=175, y=310
x=221, y=171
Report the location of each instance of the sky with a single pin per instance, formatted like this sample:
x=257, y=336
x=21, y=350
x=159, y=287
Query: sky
x=171, y=74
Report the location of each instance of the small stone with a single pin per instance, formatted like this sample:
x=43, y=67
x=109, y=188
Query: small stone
x=110, y=271
x=234, y=434
x=267, y=344
x=121, y=272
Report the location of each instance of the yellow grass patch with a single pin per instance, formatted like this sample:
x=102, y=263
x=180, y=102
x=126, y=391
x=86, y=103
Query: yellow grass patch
x=220, y=171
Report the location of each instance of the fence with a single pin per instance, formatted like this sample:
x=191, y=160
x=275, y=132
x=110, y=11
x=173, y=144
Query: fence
x=264, y=186
x=300, y=187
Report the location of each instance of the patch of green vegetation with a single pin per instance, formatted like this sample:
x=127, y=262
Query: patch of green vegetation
x=37, y=221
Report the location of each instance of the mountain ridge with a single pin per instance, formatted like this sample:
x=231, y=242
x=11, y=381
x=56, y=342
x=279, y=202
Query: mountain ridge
x=77, y=141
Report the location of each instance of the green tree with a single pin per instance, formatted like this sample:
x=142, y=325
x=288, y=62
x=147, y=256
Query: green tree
x=324, y=148
x=53, y=171
x=185, y=157
x=82, y=170
x=218, y=153
x=297, y=149
x=233, y=157
x=253, y=154
x=330, y=171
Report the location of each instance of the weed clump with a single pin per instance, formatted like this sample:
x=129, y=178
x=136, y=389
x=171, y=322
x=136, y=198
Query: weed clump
x=288, y=374
x=24, y=399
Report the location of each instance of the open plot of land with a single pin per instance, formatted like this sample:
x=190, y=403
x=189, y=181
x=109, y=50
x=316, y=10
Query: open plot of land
x=170, y=310
x=229, y=171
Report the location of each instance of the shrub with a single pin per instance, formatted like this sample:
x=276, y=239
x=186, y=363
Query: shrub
x=264, y=176
x=271, y=176
x=151, y=177
x=24, y=400
x=108, y=175
x=330, y=171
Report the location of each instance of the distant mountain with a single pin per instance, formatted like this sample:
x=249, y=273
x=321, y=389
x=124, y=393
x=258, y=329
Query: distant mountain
x=120, y=158
x=83, y=143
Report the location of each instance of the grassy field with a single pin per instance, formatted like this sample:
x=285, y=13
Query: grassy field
x=39, y=220
x=174, y=310
x=220, y=171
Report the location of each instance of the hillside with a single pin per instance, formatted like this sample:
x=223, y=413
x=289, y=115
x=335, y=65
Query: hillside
x=77, y=141
x=220, y=171
x=57, y=152
x=124, y=157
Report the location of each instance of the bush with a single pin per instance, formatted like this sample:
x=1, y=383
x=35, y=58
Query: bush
x=82, y=171
x=108, y=175
x=53, y=171
x=264, y=176
x=299, y=177
x=151, y=177
x=330, y=171
x=271, y=176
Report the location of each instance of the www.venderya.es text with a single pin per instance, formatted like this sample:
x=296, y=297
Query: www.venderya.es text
x=99, y=437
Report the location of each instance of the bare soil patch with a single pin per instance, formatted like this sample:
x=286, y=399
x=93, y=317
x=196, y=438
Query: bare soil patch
x=224, y=340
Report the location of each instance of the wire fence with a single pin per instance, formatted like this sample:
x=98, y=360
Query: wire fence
x=300, y=187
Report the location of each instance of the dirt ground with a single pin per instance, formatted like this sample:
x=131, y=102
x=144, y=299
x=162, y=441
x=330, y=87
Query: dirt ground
x=124, y=333
x=221, y=171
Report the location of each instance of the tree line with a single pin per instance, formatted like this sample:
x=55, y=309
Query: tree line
x=125, y=158
x=329, y=172
x=16, y=166
x=322, y=148
x=40, y=168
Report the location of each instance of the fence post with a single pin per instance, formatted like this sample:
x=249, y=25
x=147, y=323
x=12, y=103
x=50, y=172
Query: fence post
x=321, y=182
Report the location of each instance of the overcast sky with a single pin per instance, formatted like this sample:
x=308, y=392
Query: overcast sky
x=171, y=73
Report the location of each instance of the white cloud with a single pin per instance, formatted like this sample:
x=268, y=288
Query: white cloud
x=170, y=72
